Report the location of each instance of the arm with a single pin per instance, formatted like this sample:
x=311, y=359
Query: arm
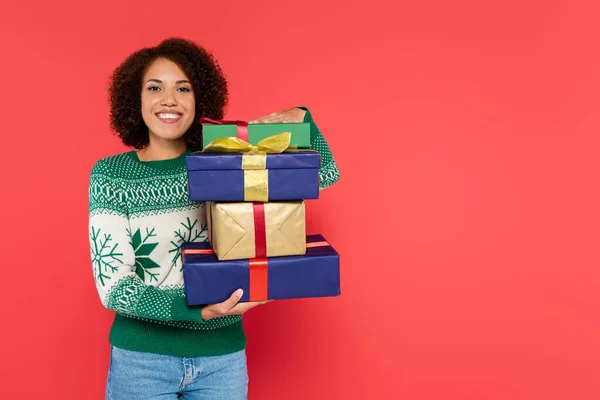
x=113, y=257
x=328, y=173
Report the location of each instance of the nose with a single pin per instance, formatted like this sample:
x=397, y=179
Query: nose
x=168, y=99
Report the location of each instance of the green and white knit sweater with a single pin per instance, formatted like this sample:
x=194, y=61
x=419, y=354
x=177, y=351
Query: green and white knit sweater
x=140, y=216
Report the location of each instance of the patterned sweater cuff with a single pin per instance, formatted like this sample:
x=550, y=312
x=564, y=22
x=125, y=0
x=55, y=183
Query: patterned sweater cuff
x=180, y=311
x=329, y=173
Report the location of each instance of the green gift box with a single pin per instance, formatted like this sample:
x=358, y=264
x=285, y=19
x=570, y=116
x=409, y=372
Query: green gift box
x=216, y=129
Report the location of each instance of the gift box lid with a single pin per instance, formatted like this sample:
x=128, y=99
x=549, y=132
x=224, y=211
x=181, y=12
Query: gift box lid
x=306, y=159
x=316, y=245
x=300, y=132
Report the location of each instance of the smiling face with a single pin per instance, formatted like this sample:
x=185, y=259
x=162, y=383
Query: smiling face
x=168, y=104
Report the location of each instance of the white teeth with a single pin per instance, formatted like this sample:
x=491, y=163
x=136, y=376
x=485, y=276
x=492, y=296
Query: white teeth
x=169, y=116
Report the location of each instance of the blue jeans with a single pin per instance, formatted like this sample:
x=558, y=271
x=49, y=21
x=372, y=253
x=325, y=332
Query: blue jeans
x=134, y=375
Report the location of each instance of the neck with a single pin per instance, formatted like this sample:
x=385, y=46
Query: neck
x=162, y=149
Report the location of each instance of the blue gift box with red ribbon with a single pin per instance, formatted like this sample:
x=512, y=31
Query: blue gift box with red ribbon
x=208, y=280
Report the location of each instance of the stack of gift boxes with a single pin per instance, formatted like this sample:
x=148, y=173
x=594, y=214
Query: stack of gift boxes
x=254, y=180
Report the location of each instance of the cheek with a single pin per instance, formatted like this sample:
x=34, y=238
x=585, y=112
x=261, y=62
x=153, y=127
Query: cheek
x=148, y=102
x=190, y=106
x=188, y=102
x=145, y=104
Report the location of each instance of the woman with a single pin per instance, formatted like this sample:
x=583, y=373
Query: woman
x=140, y=216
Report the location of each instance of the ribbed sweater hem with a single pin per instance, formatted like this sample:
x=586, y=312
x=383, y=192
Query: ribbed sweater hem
x=150, y=337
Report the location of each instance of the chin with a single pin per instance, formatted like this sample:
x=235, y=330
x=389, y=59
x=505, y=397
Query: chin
x=170, y=135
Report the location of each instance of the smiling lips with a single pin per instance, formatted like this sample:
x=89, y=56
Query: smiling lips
x=169, y=117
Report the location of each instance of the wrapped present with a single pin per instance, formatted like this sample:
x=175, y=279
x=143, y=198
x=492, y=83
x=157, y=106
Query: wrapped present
x=230, y=169
x=208, y=280
x=256, y=230
x=252, y=133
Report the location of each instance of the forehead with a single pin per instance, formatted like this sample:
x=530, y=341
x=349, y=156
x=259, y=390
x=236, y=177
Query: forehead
x=164, y=70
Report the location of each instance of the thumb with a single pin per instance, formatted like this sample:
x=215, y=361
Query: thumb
x=233, y=300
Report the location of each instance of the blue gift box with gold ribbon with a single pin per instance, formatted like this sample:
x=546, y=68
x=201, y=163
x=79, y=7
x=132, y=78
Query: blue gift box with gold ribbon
x=208, y=280
x=229, y=169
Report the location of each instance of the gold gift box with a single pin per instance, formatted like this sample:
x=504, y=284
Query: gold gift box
x=232, y=231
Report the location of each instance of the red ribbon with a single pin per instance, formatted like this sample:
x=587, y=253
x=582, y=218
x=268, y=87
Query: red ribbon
x=259, y=266
x=260, y=230
x=242, y=126
x=259, y=279
x=316, y=244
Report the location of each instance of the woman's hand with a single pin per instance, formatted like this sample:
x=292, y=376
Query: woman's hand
x=289, y=115
x=229, y=307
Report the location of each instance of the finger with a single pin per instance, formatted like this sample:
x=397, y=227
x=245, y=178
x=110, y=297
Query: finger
x=243, y=307
x=262, y=119
x=232, y=300
x=286, y=116
x=272, y=121
x=275, y=119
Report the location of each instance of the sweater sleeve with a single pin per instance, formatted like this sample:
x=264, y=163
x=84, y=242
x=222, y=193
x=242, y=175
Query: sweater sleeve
x=113, y=257
x=328, y=173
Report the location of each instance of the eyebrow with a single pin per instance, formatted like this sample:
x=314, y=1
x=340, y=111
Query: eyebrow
x=159, y=81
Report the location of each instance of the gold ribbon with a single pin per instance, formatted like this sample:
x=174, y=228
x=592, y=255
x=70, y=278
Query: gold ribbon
x=271, y=144
x=254, y=160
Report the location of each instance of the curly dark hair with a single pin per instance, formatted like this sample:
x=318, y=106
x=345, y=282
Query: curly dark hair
x=207, y=80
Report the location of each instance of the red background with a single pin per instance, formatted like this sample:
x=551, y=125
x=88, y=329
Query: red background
x=467, y=214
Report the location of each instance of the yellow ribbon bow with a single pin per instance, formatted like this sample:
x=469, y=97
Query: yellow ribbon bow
x=272, y=144
x=254, y=160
